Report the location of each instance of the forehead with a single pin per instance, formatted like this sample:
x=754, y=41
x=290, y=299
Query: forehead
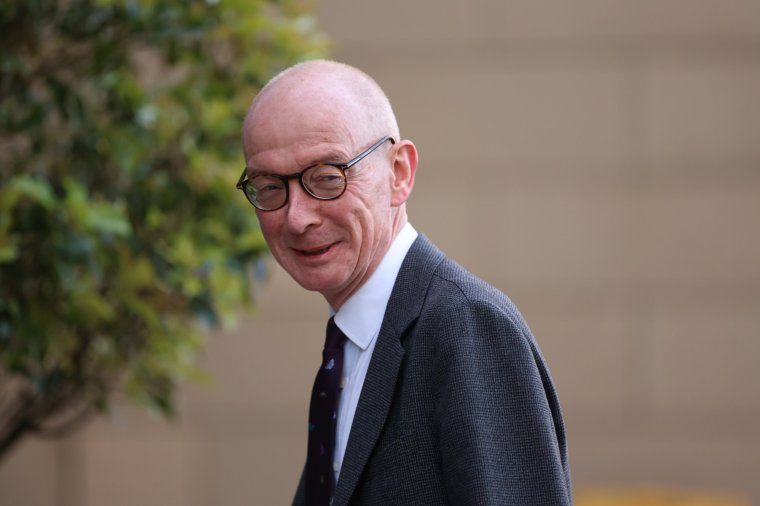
x=302, y=126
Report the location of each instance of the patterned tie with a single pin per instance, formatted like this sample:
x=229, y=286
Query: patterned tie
x=323, y=414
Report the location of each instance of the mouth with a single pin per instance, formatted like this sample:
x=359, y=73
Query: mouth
x=314, y=252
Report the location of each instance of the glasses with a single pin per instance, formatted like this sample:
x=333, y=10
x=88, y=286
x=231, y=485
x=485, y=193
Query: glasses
x=323, y=181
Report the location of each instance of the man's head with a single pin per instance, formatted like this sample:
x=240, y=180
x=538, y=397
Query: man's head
x=317, y=112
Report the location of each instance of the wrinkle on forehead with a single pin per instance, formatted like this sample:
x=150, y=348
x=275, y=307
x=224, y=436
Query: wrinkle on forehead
x=314, y=149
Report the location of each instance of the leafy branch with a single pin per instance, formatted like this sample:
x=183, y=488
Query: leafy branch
x=121, y=234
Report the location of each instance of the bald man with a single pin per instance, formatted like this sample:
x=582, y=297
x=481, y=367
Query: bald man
x=432, y=389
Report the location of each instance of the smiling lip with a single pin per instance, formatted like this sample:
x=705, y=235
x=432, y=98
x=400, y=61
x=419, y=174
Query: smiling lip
x=314, y=252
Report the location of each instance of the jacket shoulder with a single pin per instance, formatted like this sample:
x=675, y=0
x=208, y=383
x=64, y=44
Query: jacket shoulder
x=456, y=292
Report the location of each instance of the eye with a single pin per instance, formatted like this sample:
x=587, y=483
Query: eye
x=324, y=178
x=263, y=187
x=269, y=188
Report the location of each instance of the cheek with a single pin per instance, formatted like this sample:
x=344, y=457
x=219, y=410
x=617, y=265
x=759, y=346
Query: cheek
x=269, y=226
x=371, y=227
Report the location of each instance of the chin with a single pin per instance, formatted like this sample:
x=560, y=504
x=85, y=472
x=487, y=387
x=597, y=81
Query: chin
x=317, y=285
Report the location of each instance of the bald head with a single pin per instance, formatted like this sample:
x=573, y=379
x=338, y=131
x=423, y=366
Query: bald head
x=321, y=90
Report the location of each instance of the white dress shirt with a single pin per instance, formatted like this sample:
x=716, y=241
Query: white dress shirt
x=360, y=318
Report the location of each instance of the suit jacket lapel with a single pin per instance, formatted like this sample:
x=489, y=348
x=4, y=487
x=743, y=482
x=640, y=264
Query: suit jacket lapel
x=403, y=308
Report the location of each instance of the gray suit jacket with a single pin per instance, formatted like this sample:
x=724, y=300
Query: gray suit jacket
x=458, y=406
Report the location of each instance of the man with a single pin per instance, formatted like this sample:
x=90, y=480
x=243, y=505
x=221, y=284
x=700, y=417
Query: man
x=432, y=389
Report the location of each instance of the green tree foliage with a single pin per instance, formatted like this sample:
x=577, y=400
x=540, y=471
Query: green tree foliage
x=120, y=227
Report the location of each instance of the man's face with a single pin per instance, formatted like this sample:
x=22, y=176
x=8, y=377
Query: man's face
x=328, y=246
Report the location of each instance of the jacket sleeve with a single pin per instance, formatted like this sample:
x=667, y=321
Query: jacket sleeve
x=498, y=420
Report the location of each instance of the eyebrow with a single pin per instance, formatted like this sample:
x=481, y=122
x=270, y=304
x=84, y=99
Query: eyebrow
x=331, y=157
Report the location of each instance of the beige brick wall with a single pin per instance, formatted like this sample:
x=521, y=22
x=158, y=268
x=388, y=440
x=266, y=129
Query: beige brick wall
x=597, y=160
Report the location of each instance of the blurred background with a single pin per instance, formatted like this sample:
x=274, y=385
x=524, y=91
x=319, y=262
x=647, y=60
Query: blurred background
x=598, y=161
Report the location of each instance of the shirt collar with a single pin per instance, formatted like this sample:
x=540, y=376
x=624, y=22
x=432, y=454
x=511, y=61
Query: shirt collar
x=362, y=314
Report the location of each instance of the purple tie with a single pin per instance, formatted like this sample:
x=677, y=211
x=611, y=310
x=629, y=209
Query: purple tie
x=323, y=414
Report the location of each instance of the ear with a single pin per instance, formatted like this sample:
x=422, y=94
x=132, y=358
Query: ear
x=404, y=168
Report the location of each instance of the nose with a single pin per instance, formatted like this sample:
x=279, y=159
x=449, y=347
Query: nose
x=302, y=210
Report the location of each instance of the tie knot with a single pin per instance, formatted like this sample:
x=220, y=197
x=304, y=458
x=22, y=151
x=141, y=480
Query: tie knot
x=335, y=337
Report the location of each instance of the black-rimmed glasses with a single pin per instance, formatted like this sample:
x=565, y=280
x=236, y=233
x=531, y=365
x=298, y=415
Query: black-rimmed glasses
x=323, y=181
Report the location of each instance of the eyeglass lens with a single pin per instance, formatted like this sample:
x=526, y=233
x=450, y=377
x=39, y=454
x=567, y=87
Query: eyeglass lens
x=321, y=181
